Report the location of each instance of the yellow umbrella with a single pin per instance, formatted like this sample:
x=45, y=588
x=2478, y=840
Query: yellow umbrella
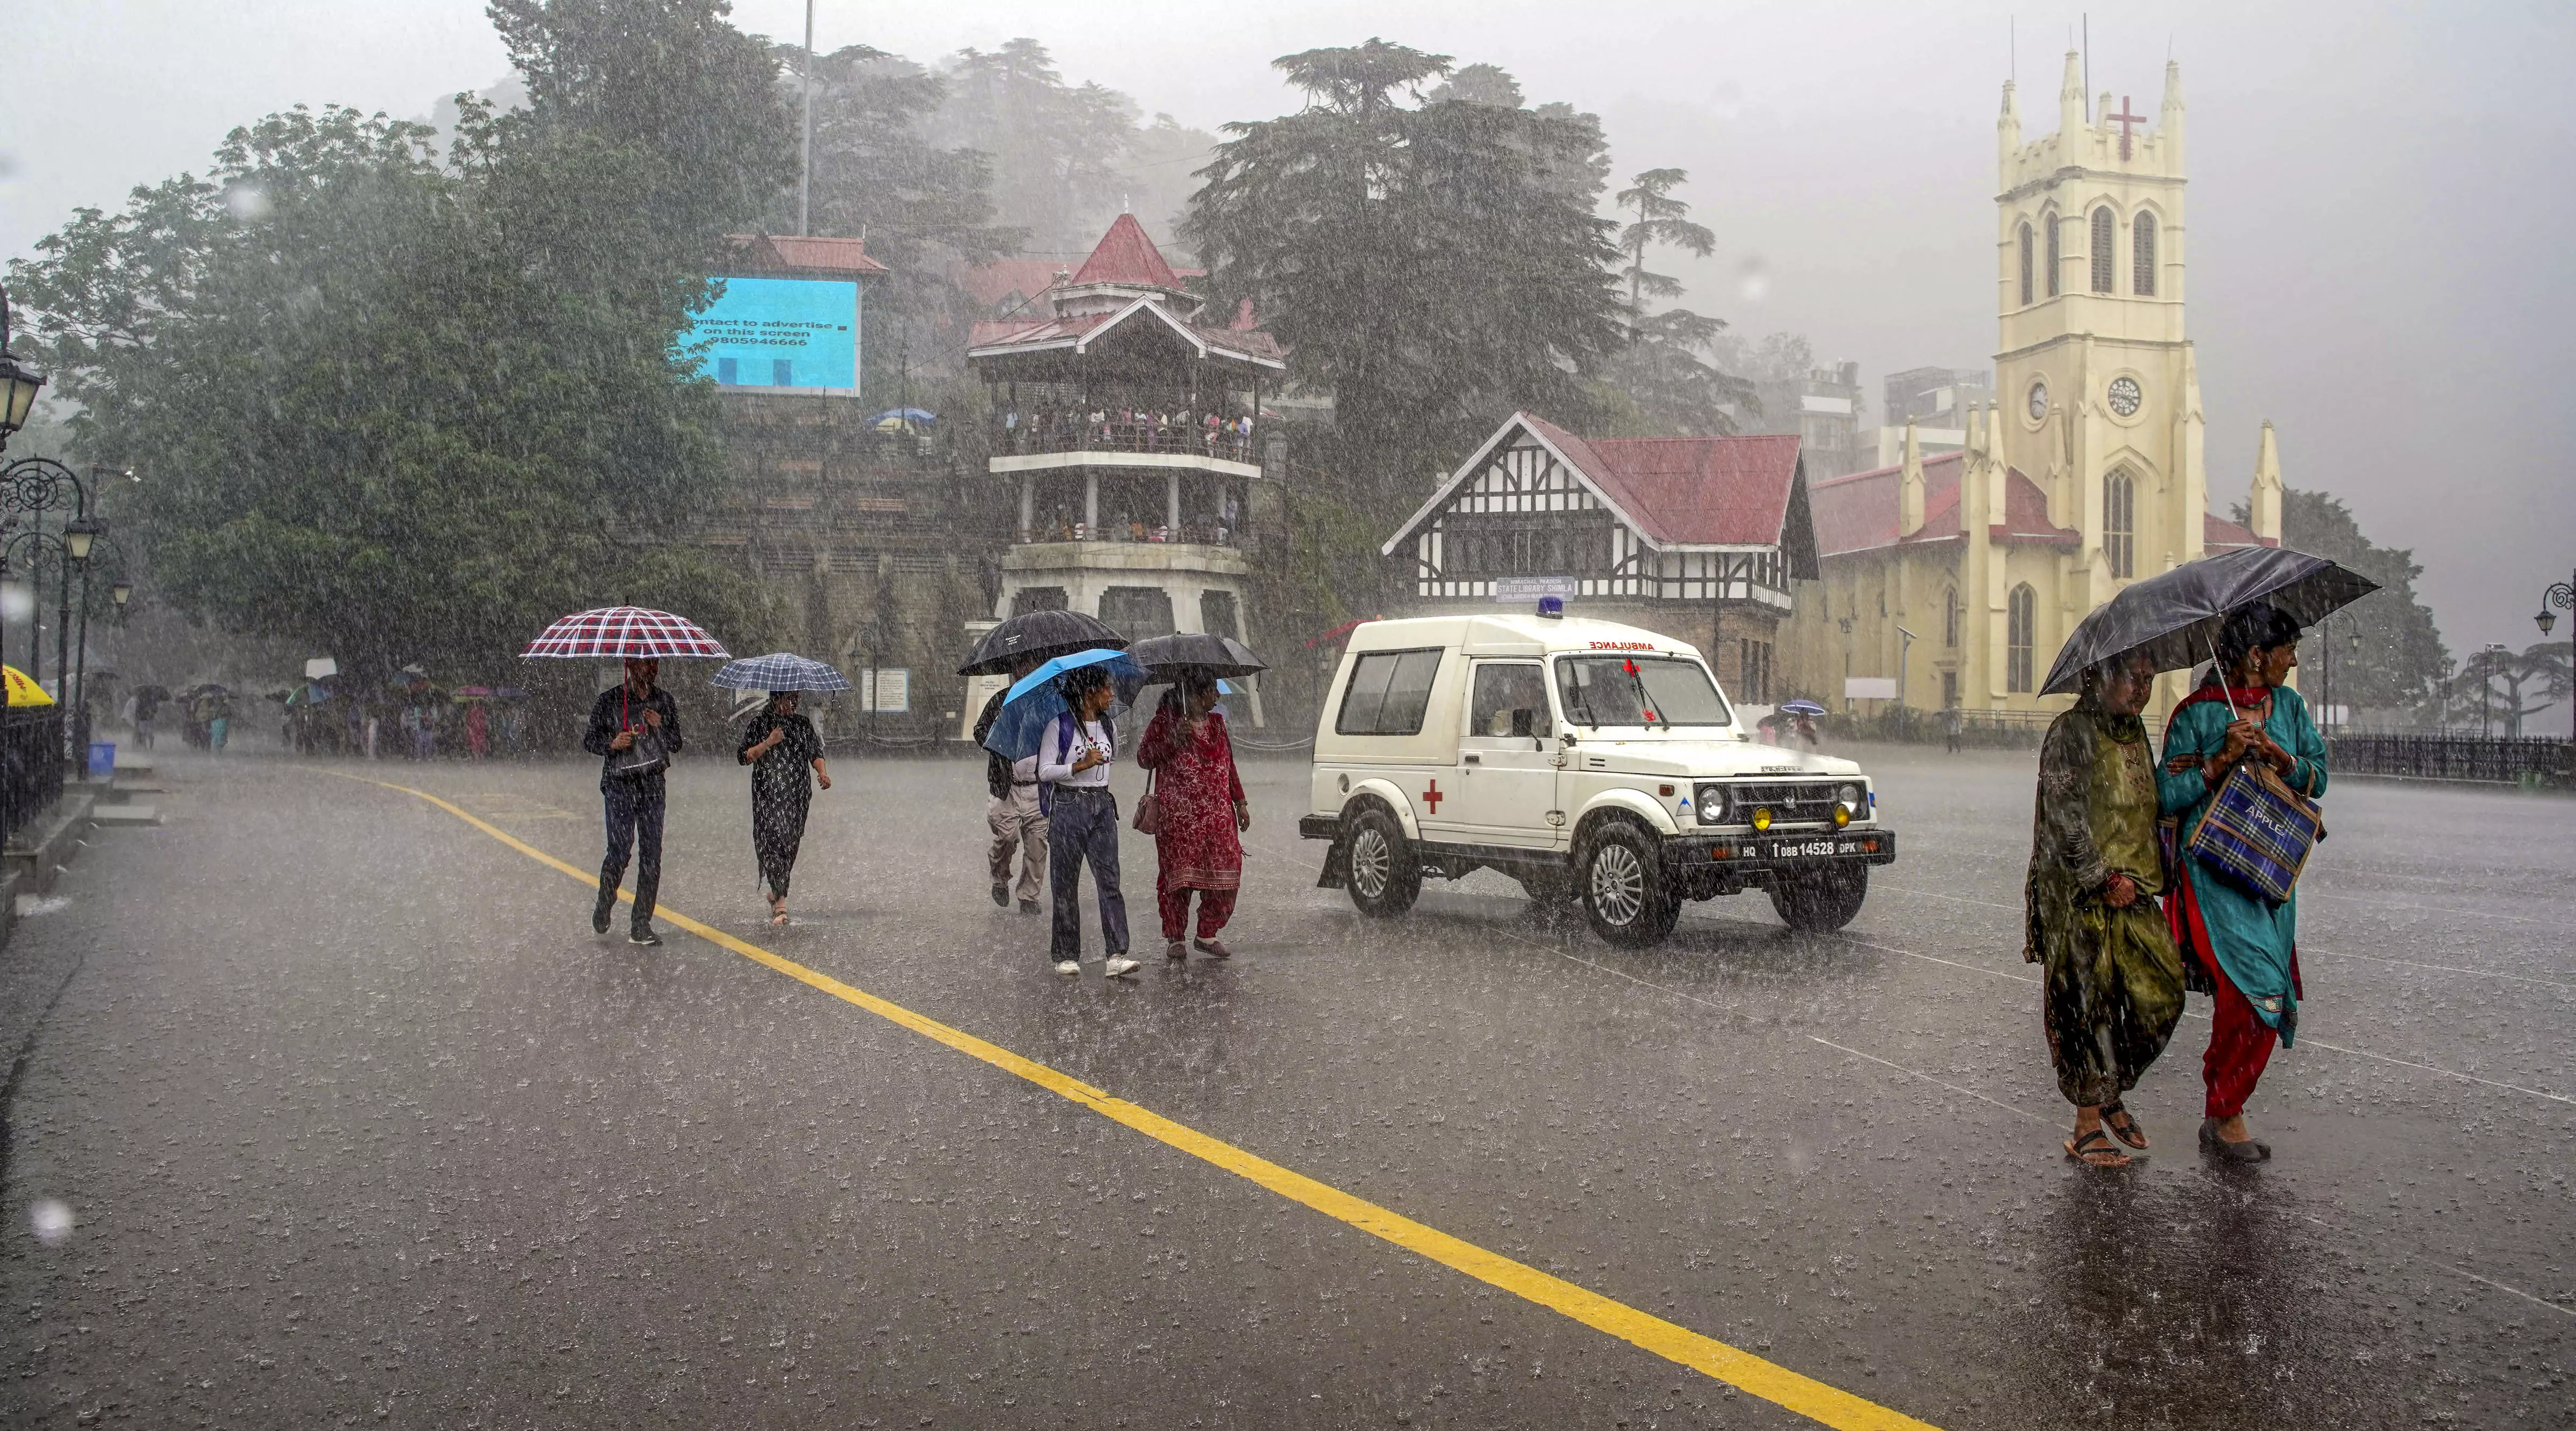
x=22, y=691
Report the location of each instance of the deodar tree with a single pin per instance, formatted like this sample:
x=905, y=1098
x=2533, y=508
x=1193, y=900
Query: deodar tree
x=1431, y=266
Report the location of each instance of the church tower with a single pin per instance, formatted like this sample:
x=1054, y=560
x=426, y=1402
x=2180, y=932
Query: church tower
x=2099, y=398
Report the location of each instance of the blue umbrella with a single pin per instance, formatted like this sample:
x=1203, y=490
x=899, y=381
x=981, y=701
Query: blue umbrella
x=1802, y=707
x=780, y=671
x=1032, y=704
x=903, y=414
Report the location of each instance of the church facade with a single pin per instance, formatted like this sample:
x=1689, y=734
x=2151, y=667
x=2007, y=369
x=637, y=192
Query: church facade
x=1963, y=573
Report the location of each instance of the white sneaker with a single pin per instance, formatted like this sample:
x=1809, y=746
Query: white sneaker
x=1116, y=967
x=1068, y=966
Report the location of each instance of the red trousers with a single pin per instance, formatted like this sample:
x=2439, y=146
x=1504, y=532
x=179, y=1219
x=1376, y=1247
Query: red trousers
x=2240, y=1044
x=1216, y=906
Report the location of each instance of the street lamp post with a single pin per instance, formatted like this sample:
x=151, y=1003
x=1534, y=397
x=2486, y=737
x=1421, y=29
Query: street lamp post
x=2561, y=594
x=18, y=381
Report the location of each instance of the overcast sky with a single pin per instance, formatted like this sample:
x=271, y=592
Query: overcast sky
x=2374, y=189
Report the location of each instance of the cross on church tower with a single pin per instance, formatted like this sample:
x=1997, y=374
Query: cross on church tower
x=2124, y=119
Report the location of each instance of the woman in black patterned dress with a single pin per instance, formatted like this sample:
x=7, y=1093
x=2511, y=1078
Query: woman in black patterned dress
x=780, y=746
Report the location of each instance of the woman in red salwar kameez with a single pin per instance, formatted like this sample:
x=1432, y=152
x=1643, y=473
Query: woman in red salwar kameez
x=1203, y=814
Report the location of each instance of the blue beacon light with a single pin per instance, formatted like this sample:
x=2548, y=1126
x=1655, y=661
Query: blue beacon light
x=1551, y=606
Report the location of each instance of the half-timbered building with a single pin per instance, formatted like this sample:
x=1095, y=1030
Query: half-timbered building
x=1698, y=538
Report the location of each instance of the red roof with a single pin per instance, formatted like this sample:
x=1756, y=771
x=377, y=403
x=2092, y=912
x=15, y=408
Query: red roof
x=769, y=252
x=1040, y=332
x=1689, y=491
x=2218, y=534
x=1860, y=512
x=1126, y=255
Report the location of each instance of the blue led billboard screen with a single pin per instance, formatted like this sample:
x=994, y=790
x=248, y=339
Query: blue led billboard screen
x=781, y=333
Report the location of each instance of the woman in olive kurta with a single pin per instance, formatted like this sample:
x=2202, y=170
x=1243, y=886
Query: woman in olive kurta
x=780, y=746
x=2247, y=944
x=2113, y=981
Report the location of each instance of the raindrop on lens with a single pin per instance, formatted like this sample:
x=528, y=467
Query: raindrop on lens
x=50, y=1219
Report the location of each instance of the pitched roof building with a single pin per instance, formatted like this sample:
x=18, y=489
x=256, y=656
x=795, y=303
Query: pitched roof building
x=1696, y=537
x=1125, y=425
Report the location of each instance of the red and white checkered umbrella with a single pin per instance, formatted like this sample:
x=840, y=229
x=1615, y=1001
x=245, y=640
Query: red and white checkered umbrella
x=614, y=632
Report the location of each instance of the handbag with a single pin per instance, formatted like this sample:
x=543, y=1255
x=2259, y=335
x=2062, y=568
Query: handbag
x=1149, y=809
x=2258, y=832
x=646, y=756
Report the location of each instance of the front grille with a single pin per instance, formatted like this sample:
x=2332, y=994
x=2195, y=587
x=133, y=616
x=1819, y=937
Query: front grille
x=1802, y=803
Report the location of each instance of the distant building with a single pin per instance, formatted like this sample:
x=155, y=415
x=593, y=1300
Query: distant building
x=1699, y=538
x=1128, y=434
x=1823, y=410
x=863, y=532
x=2086, y=476
x=1935, y=397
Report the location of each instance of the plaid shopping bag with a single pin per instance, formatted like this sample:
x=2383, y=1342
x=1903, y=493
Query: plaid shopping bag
x=2258, y=832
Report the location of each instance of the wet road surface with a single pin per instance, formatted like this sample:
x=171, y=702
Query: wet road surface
x=355, y=1122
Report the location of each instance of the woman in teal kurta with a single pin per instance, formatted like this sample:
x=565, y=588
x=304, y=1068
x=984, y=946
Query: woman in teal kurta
x=2247, y=945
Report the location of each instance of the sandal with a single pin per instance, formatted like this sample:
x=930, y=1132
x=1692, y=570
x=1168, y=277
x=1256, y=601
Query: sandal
x=2252, y=1150
x=2083, y=1150
x=779, y=918
x=2132, y=1134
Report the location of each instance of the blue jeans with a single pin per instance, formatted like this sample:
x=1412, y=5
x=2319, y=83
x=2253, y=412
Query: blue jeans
x=634, y=825
x=1084, y=825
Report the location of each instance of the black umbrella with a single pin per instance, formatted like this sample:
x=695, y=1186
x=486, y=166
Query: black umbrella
x=1038, y=636
x=1216, y=655
x=2175, y=617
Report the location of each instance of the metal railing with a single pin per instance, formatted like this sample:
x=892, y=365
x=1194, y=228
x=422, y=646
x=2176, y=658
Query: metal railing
x=1063, y=433
x=31, y=765
x=2441, y=756
x=1209, y=534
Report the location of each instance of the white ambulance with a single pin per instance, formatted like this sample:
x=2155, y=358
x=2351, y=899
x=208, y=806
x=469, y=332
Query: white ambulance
x=1588, y=760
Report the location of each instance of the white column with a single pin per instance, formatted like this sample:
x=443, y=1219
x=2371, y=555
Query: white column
x=1091, y=500
x=1172, y=501
x=1028, y=504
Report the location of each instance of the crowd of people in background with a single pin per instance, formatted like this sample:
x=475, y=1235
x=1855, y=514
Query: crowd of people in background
x=1048, y=426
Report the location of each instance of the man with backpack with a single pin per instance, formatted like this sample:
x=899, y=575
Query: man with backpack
x=1015, y=815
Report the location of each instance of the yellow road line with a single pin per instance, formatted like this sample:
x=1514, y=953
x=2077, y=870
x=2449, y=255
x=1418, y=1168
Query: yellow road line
x=1830, y=1405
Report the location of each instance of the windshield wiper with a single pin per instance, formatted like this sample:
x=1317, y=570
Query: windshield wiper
x=1645, y=702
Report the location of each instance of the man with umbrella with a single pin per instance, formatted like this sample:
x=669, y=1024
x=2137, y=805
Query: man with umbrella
x=634, y=730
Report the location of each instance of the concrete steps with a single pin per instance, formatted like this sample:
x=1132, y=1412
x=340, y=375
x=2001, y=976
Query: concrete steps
x=126, y=814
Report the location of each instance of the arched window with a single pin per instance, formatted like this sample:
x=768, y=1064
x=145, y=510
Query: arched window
x=2026, y=257
x=1950, y=618
x=2142, y=248
x=2056, y=264
x=2120, y=524
x=2020, y=611
x=2102, y=239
